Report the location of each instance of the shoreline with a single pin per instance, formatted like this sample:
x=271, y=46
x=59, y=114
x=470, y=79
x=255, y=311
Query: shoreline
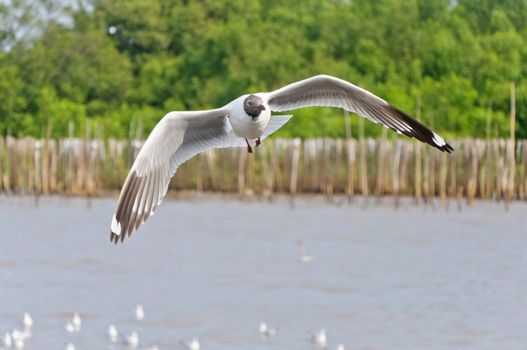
x=338, y=200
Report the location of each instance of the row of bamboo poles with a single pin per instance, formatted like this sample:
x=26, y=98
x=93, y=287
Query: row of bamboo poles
x=489, y=169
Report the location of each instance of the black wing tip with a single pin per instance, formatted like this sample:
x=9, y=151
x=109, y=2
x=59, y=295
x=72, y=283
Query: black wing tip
x=114, y=238
x=119, y=237
x=443, y=146
x=422, y=132
x=447, y=148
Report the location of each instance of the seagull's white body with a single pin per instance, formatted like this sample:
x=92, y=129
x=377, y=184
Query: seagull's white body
x=179, y=136
x=266, y=331
x=304, y=256
x=193, y=344
x=76, y=321
x=139, y=312
x=19, y=344
x=8, y=341
x=112, y=334
x=341, y=347
x=132, y=340
x=21, y=336
x=28, y=321
x=69, y=346
x=319, y=339
x=69, y=327
x=243, y=126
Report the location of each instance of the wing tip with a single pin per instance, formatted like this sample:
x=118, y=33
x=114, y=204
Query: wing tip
x=114, y=238
x=441, y=144
x=422, y=132
x=445, y=148
x=115, y=230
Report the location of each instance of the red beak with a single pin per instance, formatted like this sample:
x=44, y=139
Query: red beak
x=261, y=108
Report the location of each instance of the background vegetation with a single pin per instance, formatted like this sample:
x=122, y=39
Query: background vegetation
x=119, y=63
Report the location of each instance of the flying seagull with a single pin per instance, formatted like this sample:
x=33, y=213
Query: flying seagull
x=243, y=122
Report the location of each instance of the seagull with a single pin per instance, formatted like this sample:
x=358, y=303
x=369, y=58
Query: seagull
x=132, y=340
x=153, y=347
x=19, y=344
x=28, y=321
x=8, y=341
x=139, y=312
x=242, y=122
x=69, y=327
x=341, y=347
x=193, y=345
x=76, y=321
x=266, y=331
x=19, y=336
x=69, y=346
x=319, y=338
x=304, y=256
x=112, y=334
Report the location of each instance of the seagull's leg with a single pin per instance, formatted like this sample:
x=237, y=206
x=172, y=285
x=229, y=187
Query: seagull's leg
x=258, y=142
x=249, y=148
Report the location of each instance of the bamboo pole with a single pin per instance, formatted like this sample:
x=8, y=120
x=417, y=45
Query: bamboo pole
x=511, y=146
x=350, y=187
x=295, y=163
x=363, y=166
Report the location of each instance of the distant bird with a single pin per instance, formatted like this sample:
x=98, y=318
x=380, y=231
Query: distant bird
x=319, y=339
x=266, y=331
x=19, y=344
x=28, y=321
x=18, y=338
x=69, y=327
x=69, y=346
x=21, y=336
x=8, y=340
x=112, y=334
x=153, y=347
x=139, y=312
x=192, y=345
x=243, y=122
x=304, y=256
x=76, y=321
x=132, y=340
x=341, y=347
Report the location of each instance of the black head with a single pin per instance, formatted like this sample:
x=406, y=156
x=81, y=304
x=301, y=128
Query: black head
x=253, y=106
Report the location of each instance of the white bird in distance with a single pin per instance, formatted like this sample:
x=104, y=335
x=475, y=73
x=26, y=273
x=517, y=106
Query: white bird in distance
x=192, y=345
x=243, y=122
x=266, y=331
x=139, y=312
x=112, y=334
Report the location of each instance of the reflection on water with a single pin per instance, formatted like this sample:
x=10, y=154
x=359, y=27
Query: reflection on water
x=381, y=278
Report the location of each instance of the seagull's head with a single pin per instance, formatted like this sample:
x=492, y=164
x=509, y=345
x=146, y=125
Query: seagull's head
x=253, y=106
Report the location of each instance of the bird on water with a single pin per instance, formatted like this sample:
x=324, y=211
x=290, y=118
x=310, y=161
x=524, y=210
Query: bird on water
x=243, y=122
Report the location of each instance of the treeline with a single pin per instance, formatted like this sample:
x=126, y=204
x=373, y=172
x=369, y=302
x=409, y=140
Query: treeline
x=120, y=65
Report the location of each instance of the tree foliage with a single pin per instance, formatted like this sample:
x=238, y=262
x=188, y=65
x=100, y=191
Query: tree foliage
x=118, y=62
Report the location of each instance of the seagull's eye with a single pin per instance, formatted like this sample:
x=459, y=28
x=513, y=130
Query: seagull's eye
x=250, y=103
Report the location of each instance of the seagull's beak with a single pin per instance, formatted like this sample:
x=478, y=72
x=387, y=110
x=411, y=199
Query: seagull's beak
x=261, y=108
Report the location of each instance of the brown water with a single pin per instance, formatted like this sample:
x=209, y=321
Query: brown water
x=412, y=278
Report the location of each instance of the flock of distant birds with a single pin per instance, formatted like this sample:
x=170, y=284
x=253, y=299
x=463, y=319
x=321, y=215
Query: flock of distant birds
x=17, y=338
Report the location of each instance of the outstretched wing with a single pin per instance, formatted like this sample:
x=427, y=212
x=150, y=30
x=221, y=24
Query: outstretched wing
x=325, y=90
x=178, y=137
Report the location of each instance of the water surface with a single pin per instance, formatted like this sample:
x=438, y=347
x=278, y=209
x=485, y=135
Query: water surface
x=411, y=278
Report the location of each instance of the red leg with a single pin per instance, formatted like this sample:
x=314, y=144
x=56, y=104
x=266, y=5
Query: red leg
x=258, y=142
x=249, y=148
